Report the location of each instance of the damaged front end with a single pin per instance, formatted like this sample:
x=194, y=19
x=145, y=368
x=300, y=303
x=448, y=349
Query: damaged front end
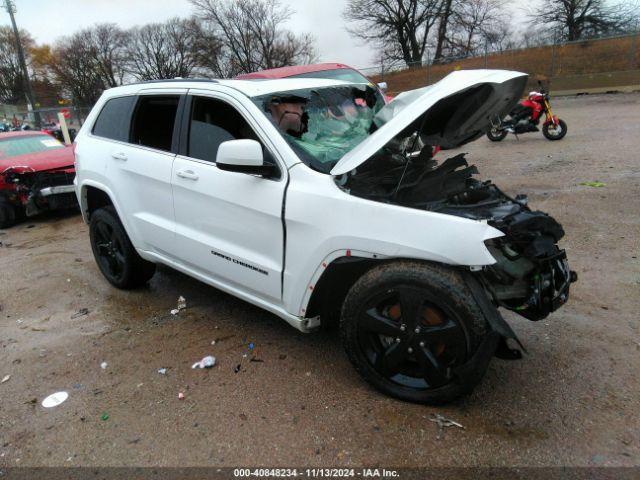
x=531, y=275
x=39, y=191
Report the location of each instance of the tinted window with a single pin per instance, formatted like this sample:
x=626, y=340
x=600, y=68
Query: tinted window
x=153, y=121
x=214, y=122
x=113, y=121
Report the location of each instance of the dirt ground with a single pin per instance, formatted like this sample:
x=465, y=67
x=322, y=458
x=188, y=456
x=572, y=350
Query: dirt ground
x=572, y=401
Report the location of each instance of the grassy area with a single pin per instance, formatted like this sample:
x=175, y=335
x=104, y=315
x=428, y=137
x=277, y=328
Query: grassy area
x=591, y=64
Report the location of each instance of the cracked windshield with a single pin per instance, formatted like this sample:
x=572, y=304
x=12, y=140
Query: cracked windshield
x=323, y=124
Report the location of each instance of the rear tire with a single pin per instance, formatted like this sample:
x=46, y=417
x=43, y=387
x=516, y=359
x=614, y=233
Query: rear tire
x=414, y=355
x=496, y=135
x=8, y=213
x=115, y=255
x=554, y=133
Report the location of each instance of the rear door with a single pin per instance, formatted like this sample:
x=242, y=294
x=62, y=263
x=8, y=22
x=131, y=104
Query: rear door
x=228, y=224
x=140, y=170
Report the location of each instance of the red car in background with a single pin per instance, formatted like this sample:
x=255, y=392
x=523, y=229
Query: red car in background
x=338, y=71
x=36, y=174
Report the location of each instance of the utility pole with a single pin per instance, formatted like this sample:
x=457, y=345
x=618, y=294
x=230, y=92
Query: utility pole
x=11, y=9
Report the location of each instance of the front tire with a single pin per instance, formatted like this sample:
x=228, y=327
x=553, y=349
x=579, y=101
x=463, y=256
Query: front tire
x=115, y=255
x=8, y=213
x=554, y=133
x=407, y=327
x=496, y=135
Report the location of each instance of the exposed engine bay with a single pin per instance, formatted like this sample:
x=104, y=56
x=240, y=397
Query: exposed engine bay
x=531, y=275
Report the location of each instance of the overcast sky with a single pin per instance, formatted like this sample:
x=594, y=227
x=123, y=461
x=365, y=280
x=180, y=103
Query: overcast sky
x=46, y=20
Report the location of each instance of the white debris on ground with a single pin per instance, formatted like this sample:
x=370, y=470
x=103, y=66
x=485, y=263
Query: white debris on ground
x=104, y=365
x=54, y=399
x=5, y=378
x=182, y=304
x=206, y=362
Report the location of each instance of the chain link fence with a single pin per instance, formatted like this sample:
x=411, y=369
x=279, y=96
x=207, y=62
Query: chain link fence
x=17, y=116
x=597, y=65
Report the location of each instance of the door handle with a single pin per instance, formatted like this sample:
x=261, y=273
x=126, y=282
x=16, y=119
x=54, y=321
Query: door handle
x=188, y=174
x=119, y=156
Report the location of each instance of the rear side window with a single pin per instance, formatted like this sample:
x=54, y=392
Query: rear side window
x=153, y=121
x=113, y=120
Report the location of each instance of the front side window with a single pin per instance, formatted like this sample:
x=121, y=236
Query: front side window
x=153, y=121
x=213, y=122
x=323, y=124
x=25, y=145
x=114, y=119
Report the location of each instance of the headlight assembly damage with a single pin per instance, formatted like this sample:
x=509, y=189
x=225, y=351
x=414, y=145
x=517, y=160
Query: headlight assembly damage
x=531, y=275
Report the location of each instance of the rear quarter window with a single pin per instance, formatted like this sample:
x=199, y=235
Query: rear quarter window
x=114, y=119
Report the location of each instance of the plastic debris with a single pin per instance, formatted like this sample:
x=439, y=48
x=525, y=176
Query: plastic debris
x=80, y=313
x=237, y=368
x=162, y=371
x=251, y=346
x=206, y=362
x=182, y=304
x=443, y=422
x=54, y=399
x=213, y=342
x=105, y=416
x=594, y=184
x=104, y=365
x=5, y=378
x=180, y=396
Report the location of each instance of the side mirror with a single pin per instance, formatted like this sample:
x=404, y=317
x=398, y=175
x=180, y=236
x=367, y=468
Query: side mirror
x=243, y=156
x=383, y=87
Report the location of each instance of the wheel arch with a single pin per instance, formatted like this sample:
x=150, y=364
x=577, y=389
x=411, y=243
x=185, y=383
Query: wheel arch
x=334, y=278
x=93, y=196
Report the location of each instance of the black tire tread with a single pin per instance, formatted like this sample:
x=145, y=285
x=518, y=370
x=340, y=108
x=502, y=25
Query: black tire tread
x=8, y=213
x=138, y=271
x=446, y=283
x=545, y=131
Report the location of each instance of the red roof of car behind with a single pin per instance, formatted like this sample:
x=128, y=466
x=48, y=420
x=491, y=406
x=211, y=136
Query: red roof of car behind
x=284, y=72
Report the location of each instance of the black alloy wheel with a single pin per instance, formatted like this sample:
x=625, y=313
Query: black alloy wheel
x=110, y=252
x=117, y=258
x=409, y=340
x=413, y=330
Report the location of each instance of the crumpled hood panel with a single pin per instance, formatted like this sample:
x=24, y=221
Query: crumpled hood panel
x=449, y=113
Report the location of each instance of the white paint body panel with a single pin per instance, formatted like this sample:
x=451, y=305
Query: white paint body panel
x=179, y=221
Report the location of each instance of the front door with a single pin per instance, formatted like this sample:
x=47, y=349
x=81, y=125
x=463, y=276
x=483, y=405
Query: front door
x=228, y=224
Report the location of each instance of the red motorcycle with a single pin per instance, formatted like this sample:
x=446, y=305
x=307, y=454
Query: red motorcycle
x=525, y=117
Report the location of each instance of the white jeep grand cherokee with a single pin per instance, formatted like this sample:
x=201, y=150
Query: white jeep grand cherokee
x=316, y=201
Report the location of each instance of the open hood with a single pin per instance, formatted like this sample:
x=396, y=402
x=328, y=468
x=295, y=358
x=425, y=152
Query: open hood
x=449, y=113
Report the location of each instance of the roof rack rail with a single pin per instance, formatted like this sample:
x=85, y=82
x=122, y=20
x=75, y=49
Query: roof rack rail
x=177, y=79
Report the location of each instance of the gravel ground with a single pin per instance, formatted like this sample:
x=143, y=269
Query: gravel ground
x=572, y=401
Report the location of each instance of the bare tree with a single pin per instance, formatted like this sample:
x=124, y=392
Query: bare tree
x=73, y=68
x=163, y=50
x=11, y=79
x=474, y=24
x=105, y=43
x=577, y=19
x=85, y=63
x=249, y=35
x=443, y=24
x=400, y=27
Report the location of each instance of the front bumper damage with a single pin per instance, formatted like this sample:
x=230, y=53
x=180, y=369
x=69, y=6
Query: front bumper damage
x=39, y=191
